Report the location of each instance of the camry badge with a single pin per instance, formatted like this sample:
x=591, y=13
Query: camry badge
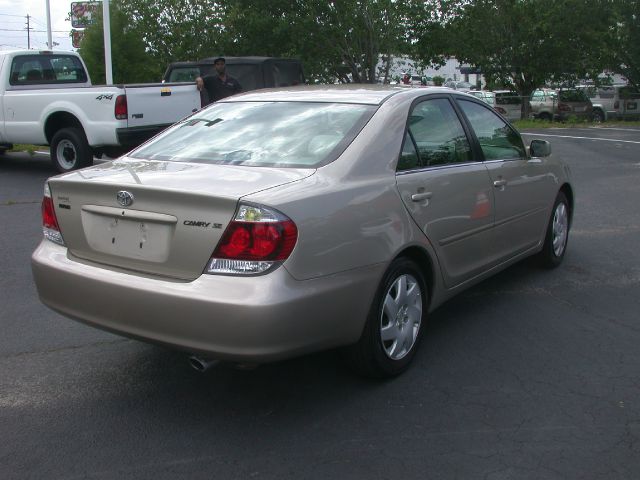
x=124, y=198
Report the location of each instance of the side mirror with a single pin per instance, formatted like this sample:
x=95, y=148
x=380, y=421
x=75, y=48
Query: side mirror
x=540, y=148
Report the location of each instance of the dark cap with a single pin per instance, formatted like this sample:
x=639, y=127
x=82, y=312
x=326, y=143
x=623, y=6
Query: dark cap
x=218, y=59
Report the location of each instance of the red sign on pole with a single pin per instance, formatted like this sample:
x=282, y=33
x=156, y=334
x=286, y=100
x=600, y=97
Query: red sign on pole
x=76, y=37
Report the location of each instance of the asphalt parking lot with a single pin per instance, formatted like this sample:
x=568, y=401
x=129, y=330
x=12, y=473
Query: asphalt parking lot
x=531, y=375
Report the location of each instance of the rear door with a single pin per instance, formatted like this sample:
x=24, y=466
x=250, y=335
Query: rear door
x=446, y=190
x=520, y=184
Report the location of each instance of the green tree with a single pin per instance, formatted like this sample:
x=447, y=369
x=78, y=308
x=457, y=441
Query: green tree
x=622, y=46
x=131, y=61
x=339, y=39
x=174, y=30
x=521, y=43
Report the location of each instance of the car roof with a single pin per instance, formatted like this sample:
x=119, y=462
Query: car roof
x=366, y=94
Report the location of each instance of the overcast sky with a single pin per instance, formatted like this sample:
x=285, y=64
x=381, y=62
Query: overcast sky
x=13, y=23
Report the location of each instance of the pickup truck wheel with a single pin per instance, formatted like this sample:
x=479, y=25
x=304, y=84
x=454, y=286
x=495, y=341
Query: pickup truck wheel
x=70, y=150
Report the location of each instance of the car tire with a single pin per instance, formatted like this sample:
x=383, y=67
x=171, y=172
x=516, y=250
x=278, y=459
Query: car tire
x=394, y=325
x=598, y=116
x=70, y=150
x=557, y=235
x=545, y=116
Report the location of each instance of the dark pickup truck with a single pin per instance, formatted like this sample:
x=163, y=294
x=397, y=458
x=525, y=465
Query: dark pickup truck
x=252, y=72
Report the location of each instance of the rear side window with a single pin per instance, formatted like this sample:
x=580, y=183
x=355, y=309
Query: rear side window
x=46, y=69
x=435, y=137
x=497, y=139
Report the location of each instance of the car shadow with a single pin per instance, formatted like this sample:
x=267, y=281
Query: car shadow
x=27, y=163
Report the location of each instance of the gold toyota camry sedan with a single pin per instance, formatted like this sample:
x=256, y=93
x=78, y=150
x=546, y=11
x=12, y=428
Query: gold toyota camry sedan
x=282, y=222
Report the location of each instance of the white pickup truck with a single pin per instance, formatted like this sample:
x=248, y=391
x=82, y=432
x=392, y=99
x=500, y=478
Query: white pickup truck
x=46, y=98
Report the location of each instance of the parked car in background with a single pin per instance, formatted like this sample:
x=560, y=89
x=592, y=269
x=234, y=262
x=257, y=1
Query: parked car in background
x=280, y=222
x=550, y=104
x=611, y=102
x=462, y=86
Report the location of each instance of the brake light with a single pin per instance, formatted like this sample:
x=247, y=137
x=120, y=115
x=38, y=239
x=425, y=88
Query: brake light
x=563, y=107
x=257, y=239
x=500, y=110
x=120, y=110
x=50, y=228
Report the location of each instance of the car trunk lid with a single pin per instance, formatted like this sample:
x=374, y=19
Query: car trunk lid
x=162, y=218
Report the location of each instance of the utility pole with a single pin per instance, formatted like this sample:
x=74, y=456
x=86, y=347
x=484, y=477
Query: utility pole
x=106, y=25
x=49, y=40
x=28, y=34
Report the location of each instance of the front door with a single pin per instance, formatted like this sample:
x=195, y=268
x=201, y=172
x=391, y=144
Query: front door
x=520, y=184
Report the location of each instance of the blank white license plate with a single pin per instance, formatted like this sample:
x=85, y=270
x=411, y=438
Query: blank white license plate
x=128, y=238
x=579, y=109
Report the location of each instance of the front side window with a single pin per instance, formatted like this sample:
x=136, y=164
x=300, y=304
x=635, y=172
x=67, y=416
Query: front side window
x=282, y=134
x=46, y=69
x=497, y=139
x=437, y=134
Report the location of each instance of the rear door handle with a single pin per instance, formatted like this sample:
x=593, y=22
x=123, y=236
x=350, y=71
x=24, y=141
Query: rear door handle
x=499, y=183
x=418, y=197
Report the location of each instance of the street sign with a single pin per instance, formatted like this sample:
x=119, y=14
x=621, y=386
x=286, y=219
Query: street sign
x=83, y=14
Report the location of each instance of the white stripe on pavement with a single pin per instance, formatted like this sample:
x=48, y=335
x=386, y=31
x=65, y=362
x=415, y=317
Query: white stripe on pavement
x=580, y=138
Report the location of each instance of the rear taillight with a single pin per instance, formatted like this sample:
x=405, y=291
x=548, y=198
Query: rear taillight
x=500, y=110
x=563, y=107
x=120, y=111
x=256, y=240
x=50, y=228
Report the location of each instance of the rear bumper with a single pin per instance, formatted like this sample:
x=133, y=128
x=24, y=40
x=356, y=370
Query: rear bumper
x=257, y=319
x=134, y=136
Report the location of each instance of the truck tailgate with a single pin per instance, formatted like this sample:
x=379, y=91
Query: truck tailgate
x=160, y=104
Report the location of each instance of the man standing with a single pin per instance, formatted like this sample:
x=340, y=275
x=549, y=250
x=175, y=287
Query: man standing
x=220, y=85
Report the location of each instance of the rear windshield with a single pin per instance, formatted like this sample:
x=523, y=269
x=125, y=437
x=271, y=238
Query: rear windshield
x=283, y=134
x=46, y=69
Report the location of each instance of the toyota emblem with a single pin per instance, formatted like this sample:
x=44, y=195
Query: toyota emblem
x=124, y=198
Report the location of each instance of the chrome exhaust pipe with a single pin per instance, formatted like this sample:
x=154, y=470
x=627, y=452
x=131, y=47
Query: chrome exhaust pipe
x=202, y=364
